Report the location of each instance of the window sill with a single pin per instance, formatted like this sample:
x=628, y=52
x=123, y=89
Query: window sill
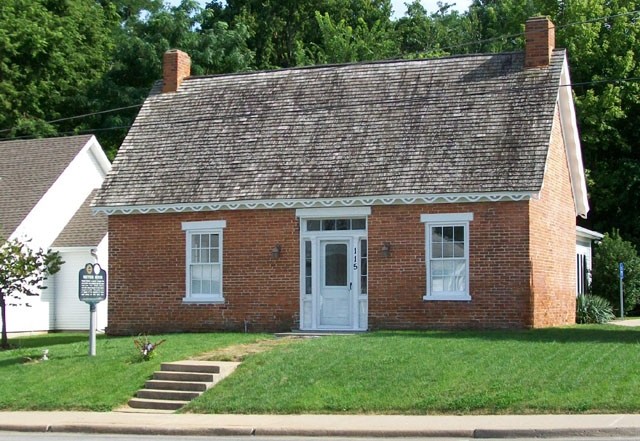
x=203, y=300
x=447, y=298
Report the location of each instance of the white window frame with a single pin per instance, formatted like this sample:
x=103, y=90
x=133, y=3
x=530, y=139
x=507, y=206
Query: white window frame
x=447, y=220
x=202, y=227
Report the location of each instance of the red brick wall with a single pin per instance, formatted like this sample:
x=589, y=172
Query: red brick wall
x=553, y=241
x=499, y=269
x=147, y=273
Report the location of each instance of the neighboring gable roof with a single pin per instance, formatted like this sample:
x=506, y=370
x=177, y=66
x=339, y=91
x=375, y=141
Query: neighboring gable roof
x=27, y=170
x=464, y=125
x=85, y=229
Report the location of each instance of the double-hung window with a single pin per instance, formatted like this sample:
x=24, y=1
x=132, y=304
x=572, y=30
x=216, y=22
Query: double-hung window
x=204, y=261
x=447, y=256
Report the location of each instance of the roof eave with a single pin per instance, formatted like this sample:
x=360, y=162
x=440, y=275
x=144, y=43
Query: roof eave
x=573, y=148
x=358, y=201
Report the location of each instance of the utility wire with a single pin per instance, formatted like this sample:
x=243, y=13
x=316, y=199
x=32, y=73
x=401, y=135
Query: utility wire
x=425, y=100
x=477, y=42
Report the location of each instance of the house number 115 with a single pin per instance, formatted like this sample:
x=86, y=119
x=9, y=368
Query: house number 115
x=355, y=258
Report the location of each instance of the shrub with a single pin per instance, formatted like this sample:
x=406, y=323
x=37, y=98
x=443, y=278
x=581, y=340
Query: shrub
x=593, y=309
x=608, y=254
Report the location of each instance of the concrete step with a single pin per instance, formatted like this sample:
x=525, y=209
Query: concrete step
x=175, y=395
x=191, y=366
x=146, y=403
x=184, y=376
x=176, y=385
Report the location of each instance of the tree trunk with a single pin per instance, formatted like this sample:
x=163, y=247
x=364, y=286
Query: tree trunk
x=5, y=340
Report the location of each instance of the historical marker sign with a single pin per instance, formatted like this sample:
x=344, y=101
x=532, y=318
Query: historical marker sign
x=93, y=283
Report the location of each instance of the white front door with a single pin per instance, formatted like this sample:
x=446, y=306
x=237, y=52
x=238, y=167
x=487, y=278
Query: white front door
x=335, y=300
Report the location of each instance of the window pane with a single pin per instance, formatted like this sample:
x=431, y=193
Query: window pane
x=216, y=278
x=307, y=287
x=307, y=266
x=447, y=250
x=343, y=224
x=328, y=224
x=215, y=240
x=335, y=264
x=458, y=250
x=436, y=250
x=436, y=235
x=194, y=255
x=204, y=240
x=437, y=267
x=358, y=224
x=447, y=234
x=195, y=241
x=313, y=225
x=363, y=248
x=458, y=234
x=437, y=284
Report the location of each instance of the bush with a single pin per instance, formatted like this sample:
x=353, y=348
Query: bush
x=593, y=309
x=608, y=254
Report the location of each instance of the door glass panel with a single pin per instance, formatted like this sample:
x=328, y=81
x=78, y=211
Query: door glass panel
x=307, y=267
x=336, y=264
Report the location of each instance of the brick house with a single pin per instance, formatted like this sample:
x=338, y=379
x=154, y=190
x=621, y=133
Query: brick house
x=439, y=193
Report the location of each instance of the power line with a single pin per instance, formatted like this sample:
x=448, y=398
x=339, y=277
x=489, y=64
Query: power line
x=345, y=105
x=477, y=42
x=522, y=34
x=101, y=112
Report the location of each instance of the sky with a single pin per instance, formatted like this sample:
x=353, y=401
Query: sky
x=398, y=5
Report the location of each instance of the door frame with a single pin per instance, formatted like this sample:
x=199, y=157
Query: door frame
x=310, y=301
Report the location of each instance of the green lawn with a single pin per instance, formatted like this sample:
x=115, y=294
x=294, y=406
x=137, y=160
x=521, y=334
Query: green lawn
x=576, y=369
x=71, y=380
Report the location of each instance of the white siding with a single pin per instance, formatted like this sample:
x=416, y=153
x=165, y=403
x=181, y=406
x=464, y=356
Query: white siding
x=71, y=314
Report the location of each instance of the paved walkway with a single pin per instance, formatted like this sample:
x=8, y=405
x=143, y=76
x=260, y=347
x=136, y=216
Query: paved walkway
x=324, y=425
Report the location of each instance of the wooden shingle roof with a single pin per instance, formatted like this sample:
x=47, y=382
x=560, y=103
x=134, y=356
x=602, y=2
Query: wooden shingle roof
x=28, y=168
x=464, y=124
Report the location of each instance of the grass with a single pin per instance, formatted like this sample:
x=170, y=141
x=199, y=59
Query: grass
x=71, y=380
x=579, y=369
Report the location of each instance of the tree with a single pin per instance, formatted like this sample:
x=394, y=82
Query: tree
x=51, y=53
x=141, y=40
x=602, y=39
x=605, y=283
x=22, y=271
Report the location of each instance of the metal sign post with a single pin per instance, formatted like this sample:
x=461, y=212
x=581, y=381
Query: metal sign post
x=621, y=274
x=92, y=290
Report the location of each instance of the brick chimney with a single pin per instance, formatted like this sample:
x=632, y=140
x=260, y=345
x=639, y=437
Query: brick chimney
x=176, y=66
x=540, y=35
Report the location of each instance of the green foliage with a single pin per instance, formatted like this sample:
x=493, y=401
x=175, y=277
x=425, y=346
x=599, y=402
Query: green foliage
x=51, y=53
x=22, y=273
x=593, y=309
x=608, y=254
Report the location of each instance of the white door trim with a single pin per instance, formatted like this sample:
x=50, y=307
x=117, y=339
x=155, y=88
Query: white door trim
x=310, y=280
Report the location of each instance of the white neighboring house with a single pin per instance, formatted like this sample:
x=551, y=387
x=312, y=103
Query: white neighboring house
x=584, y=257
x=46, y=186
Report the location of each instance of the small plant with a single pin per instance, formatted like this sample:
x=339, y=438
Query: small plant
x=146, y=349
x=593, y=309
